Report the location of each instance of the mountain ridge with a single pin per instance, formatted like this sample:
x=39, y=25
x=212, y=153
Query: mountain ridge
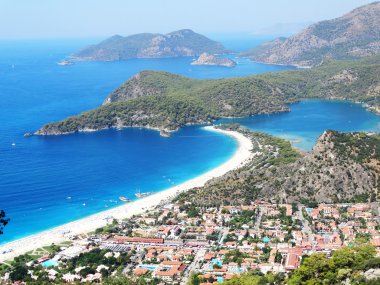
x=179, y=43
x=354, y=35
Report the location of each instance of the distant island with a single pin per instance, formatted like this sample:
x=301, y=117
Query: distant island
x=355, y=35
x=209, y=59
x=166, y=102
x=147, y=45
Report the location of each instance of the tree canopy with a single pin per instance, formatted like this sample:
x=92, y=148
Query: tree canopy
x=3, y=221
x=318, y=269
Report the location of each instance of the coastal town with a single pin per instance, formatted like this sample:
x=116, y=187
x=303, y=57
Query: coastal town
x=177, y=241
x=190, y=142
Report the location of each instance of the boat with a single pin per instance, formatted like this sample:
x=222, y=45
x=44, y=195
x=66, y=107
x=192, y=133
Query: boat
x=124, y=199
x=65, y=62
x=141, y=195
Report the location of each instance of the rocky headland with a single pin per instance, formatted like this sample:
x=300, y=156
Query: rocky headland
x=209, y=59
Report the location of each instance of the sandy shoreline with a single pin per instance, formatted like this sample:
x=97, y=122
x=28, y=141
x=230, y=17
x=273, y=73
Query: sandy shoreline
x=55, y=235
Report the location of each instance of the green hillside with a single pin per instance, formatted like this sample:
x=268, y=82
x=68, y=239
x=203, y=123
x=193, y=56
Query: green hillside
x=167, y=101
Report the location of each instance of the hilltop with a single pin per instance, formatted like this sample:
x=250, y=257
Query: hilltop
x=166, y=101
x=354, y=35
x=342, y=167
x=148, y=45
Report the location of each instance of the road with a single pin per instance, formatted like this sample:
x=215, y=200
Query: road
x=306, y=227
x=194, y=265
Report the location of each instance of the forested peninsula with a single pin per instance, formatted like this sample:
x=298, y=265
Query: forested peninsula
x=166, y=102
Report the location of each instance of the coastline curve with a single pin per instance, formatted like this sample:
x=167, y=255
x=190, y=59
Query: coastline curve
x=58, y=234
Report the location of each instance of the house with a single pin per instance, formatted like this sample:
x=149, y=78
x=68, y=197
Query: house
x=140, y=271
x=93, y=278
x=70, y=278
x=163, y=216
x=293, y=261
x=266, y=267
x=169, y=270
x=52, y=274
x=375, y=242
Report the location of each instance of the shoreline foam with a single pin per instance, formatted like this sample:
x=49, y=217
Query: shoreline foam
x=56, y=235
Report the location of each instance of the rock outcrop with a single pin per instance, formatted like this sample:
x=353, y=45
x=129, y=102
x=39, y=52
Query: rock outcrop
x=209, y=59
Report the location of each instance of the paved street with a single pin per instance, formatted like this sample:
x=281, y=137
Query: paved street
x=195, y=265
x=306, y=227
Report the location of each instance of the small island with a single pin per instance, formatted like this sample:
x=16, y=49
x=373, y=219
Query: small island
x=150, y=45
x=209, y=59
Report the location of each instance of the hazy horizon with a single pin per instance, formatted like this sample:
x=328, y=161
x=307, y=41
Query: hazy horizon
x=95, y=18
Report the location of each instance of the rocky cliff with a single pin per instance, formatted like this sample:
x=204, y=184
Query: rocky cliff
x=209, y=59
x=175, y=44
x=355, y=35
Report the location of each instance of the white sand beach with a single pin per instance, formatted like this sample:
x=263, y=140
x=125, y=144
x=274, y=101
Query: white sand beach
x=88, y=224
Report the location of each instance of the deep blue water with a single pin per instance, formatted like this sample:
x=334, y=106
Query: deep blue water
x=37, y=174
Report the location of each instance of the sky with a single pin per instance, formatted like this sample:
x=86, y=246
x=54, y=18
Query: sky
x=21, y=19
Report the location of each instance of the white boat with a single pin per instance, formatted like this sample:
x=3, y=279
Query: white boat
x=141, y=195
x=124, y=199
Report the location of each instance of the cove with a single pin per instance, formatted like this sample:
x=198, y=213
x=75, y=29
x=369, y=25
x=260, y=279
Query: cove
x=308, y=119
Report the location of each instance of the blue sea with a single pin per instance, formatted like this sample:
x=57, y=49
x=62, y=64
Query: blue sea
x=48, y=181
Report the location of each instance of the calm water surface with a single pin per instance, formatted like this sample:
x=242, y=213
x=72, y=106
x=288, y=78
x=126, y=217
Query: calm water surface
x=308, y=119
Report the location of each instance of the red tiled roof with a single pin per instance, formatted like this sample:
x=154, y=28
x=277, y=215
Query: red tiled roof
x=182, y=267
x=141, y=239
x=140, y=271
x=375, y=242
x=209, y=256
x=292, y=261
x=168, y=262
